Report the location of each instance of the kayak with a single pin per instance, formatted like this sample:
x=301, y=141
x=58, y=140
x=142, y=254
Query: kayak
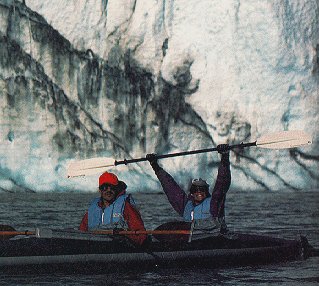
x=99, y=253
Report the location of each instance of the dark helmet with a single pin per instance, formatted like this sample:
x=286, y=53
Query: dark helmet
x=199, y=184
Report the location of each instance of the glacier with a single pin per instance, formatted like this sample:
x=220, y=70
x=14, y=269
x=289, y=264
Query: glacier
x=123, y=78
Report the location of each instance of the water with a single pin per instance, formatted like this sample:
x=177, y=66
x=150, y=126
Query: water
x=282, y=214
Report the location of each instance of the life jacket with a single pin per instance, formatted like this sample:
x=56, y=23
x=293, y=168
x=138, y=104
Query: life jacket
x=112, y=215
x=201, y=211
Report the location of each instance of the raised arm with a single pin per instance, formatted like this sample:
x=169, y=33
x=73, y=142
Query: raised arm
x=222, y=183
x=175, y=194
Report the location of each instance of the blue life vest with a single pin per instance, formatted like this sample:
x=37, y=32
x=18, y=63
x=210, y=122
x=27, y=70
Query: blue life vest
x=201, y=211
x=113, y=214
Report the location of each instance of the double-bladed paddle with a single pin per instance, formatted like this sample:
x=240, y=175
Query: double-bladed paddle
x=278, y=140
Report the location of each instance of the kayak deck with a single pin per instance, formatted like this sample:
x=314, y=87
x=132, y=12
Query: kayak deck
x=31, y=254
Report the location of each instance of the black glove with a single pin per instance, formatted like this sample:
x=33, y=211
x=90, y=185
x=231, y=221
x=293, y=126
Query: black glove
x=223, y=148
x=152, y=158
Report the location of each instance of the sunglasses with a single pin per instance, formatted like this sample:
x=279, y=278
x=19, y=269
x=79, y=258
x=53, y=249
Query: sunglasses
x=199, y=189
x=104, y=187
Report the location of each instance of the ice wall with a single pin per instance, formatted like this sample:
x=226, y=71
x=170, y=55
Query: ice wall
x=119, y=78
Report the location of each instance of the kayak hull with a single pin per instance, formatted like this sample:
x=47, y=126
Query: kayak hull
x=68, y=255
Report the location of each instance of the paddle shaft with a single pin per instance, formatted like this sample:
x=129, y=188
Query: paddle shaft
x=107, y=232
x=13, y=233
x=241, y=145
x=141, y=232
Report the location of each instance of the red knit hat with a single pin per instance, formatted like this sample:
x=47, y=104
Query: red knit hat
x=108, y=178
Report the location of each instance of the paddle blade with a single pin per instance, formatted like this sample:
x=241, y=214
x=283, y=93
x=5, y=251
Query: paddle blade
x=284, y=140
x=89, y=166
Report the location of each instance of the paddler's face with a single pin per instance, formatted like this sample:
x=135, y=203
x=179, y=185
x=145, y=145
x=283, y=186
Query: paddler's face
x=199, y=195
x=108, y=193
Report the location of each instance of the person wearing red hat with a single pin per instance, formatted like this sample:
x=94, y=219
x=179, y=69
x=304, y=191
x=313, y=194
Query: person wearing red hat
x=113, y=209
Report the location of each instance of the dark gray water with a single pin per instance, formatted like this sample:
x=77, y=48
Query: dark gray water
x=281, y=214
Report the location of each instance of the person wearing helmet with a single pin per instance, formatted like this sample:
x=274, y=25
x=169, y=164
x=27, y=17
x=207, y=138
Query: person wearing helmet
x=199, y=204
x=114, y=209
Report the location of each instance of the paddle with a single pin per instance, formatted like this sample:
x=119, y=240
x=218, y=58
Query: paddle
x=7, y=232
x=278, y=140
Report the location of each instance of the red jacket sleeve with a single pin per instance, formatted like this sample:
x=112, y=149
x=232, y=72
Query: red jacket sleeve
x=84, y=223
x=134, y=222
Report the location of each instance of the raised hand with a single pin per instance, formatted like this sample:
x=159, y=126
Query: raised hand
x=223, y=148
x=152, y=158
